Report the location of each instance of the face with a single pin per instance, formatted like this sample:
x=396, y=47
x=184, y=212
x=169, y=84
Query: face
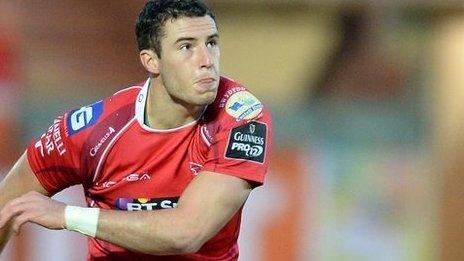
x=189, y=62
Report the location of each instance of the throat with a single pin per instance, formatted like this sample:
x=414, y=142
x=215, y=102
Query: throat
x=164, y=112
x=170, y=117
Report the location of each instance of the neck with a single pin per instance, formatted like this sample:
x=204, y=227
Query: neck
x=164, y=112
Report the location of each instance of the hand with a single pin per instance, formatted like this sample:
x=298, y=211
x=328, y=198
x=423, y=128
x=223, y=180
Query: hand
x=33, y=207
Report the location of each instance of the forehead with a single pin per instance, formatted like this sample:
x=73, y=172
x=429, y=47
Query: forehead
x=192, y=27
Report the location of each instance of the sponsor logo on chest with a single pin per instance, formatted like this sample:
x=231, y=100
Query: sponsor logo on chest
x=137, y=177
x=134, y=177
x=140, y=204
x=96, y=148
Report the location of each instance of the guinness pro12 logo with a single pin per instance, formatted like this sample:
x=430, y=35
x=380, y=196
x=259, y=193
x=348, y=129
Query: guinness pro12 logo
x=247, y=142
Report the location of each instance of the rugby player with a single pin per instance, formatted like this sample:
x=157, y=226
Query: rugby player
x=166, y=165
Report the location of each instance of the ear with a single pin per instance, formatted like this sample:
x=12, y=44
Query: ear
x=150, y=61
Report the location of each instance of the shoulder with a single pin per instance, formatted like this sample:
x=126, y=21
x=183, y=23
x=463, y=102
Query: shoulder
x=238, y=131
x=128, y=92
x=235, y=109
x=76, y=141
x=118, y=107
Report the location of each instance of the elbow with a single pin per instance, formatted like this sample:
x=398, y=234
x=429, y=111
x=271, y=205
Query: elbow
x=175, y=245
x=186, y=248
x=188, y=243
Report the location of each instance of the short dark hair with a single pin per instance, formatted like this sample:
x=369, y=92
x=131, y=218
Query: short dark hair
x=149, y=27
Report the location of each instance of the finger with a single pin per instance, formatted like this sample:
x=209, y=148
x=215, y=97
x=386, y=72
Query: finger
x=11, y=209
x=19, y=221
x=5, y=215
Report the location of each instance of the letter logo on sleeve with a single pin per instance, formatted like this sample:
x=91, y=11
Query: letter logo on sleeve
x=84, y=117
x=51, y=140
x=247, y=142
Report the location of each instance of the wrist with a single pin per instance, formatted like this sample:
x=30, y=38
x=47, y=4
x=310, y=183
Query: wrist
x=82, y=220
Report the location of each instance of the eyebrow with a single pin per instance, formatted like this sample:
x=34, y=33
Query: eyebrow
x=193, y=39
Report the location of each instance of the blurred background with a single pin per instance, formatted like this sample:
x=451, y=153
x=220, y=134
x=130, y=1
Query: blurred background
x=368, y=107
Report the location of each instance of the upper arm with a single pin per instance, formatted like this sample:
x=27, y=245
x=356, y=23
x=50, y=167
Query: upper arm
x=19, y=181
x=210, y=201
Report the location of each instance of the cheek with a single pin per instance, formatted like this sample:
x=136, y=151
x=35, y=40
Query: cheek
x=177, y=79
x=172, y=73
x=218, y=58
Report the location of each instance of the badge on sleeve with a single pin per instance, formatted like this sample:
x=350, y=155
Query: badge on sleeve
x=243, y=106
x=247, y=142
x=84, y=117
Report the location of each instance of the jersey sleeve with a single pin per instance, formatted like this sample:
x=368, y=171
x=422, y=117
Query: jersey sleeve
x=52, y=158
x=242, y=148
x=57, y=157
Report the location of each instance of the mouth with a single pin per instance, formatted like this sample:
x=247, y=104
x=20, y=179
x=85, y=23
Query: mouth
x=206, y=80
x=206, y=83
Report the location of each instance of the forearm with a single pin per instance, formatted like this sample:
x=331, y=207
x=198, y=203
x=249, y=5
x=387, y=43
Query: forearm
x=19, y=181
x=204, y=208
x=5, y=231
x=208, y=203
x=162, y=232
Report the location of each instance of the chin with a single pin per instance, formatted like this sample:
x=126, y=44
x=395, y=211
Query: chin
x=206, y=99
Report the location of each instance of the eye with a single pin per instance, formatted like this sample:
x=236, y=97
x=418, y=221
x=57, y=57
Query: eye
x=212, y=43
x=185, y=47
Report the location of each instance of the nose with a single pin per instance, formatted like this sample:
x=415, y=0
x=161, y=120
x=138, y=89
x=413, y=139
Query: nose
x=205, y=57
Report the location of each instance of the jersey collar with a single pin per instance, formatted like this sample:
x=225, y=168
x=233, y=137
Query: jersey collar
x=140, y=105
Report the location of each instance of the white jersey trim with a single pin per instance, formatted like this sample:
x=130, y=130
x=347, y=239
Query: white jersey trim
x=203, y=136
x=127, y=89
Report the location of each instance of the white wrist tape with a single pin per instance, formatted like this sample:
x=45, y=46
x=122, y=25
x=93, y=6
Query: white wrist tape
x=82, y=220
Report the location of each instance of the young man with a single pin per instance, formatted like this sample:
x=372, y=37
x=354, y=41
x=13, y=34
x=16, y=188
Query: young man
x=166, y=167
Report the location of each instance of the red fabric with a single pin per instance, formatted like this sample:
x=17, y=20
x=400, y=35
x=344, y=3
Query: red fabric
x=124, y=165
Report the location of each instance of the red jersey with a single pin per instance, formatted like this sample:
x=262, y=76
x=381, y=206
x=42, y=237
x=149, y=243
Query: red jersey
x=124, y=164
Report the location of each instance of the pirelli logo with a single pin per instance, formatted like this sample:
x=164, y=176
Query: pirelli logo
x=247, y=142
